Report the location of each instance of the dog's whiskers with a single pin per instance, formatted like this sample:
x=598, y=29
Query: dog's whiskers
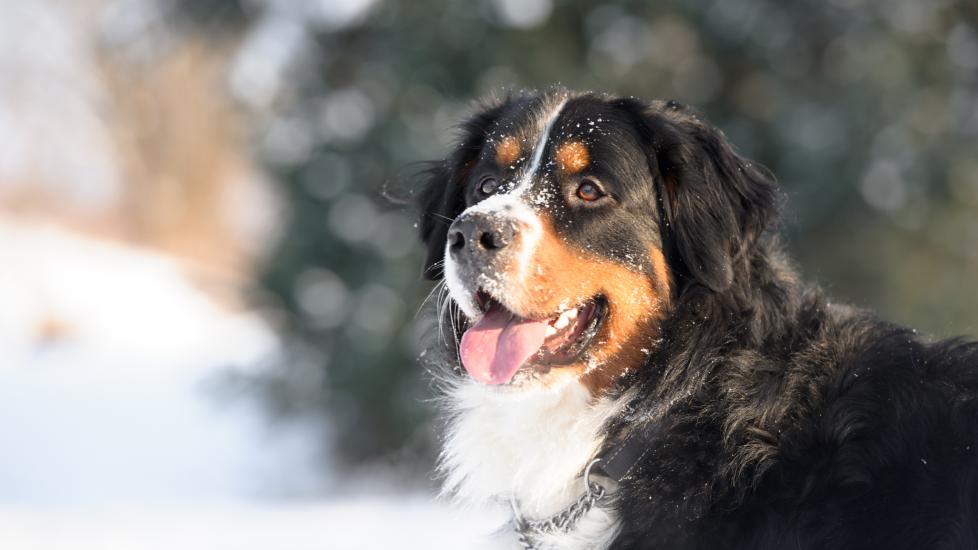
x=434, y=265
x=441, y=217
x=436, y=288
x=442, y=304
x=455, y=315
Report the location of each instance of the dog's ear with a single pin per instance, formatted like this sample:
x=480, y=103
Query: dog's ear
x=442, y=194
x=715, y=202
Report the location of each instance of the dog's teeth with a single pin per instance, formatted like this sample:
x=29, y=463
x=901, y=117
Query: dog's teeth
x=562, y=321
x=572, y=314
x=550, y=331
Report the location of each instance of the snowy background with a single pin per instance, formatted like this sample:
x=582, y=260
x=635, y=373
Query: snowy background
x=116, y=432
x=208, y=288
x=119, y=427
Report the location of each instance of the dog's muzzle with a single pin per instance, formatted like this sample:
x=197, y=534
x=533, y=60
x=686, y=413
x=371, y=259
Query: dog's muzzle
x=481, y=242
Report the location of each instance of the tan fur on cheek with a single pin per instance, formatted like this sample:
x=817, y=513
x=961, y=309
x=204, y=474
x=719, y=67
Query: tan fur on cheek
x=559, y=277
x=662, y=276
x=507, y=151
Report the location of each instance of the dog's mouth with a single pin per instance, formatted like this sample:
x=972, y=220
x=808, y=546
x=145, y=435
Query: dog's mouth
x=501, y=343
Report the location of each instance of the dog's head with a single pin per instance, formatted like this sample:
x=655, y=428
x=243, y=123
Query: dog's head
x=566, y=225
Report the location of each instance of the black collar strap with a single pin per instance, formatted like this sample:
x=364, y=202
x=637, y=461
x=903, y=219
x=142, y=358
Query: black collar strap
x=616, y=462
x=602, y=478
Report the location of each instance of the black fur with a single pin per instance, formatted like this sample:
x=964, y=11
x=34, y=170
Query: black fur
x=442, y=195
x=718, y=203
x=782, y=420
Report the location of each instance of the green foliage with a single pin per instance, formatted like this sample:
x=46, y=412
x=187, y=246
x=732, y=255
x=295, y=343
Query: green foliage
x=865, y=110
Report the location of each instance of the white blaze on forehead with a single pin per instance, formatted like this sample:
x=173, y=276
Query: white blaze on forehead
x=513, y=206
x=541, y=145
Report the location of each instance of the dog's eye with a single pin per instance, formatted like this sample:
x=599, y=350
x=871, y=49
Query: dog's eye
x=488, y=185
x=589, y=191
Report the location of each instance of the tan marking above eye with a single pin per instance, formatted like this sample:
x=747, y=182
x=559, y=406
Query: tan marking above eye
x=572, y=157
x=507, y=151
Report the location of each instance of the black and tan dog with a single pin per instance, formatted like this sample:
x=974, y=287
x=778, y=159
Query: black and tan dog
x=642, y=367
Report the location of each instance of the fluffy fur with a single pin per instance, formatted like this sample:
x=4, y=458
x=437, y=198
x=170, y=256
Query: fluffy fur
x=529, y=449
x=780, y=419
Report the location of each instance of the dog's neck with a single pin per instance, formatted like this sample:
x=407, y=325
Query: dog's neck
x=530, y=447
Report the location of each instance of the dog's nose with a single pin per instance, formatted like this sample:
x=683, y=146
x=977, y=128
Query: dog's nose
x=480, y=234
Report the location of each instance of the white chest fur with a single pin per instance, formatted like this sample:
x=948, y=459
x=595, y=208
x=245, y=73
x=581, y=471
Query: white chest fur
x=531, y=446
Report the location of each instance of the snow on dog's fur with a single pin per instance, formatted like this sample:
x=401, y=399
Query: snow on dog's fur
x=610, y=270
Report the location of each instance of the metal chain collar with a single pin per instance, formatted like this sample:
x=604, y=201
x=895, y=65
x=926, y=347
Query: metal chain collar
x=529, y=531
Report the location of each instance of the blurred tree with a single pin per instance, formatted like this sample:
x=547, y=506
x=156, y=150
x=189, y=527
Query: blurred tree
x=866, y=110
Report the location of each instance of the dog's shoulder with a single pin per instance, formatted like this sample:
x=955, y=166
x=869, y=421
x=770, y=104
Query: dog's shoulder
x=840, y=429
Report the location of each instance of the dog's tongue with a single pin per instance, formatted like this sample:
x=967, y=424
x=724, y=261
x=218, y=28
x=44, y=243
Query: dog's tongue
x=493, y=349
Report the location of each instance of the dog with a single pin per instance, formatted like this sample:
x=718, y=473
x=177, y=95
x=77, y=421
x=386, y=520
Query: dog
x=629, y=360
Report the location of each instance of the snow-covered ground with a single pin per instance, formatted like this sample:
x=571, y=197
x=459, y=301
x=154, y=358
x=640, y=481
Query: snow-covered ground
x=112, y=435
x=116, y=432
x=381, y=523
